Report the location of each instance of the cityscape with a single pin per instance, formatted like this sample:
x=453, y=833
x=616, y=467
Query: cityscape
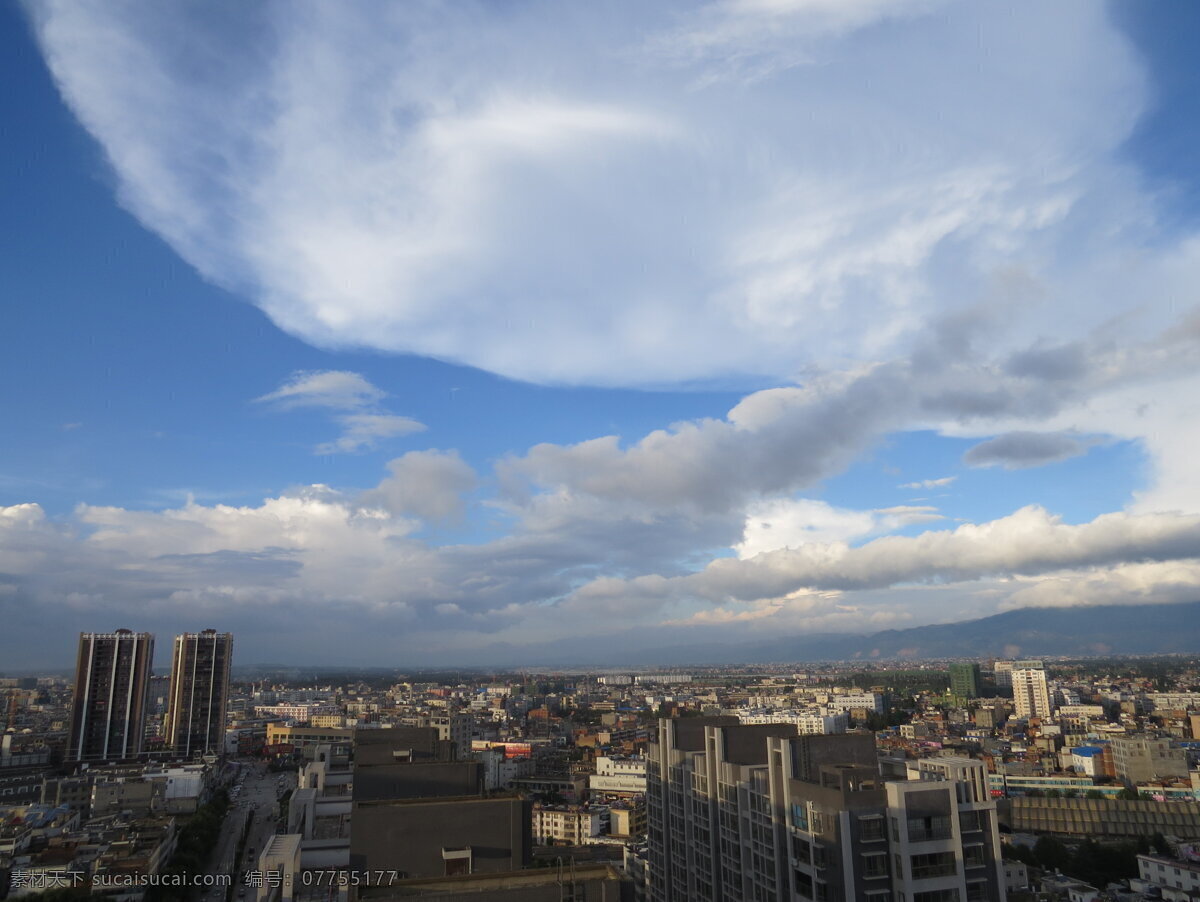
x=956, y=779
x=527, y=451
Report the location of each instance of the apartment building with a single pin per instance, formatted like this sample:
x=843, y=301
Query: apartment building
x=759, y=812
x=1031, y=697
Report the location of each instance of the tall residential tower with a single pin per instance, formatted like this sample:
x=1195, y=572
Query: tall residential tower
x=199, y=692
x=112, y=674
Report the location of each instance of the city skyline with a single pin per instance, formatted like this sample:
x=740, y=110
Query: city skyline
x=701, y=324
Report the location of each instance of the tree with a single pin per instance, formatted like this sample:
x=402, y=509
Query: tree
x=1051, y=853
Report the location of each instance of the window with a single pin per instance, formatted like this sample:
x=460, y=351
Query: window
x=924, y=829
x=934, y=864
x=938, y=895
x=870, y=828
x=804, y=885
x=969, y=821
x=874, y=865
x=975, y=855
x=977, y=892
x=800, y=817
x=801, y=849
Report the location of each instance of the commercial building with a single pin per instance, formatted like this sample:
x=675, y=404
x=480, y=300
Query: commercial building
x=758, y=812
x=1030, y=694
x=304, y=737
x=112, y=675
x=199, y=693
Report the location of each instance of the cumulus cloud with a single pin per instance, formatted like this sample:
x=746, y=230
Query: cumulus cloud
x=791, y=522
x=357, y=402
x=1018, y=450
x=1029, y=542
x=425, y=484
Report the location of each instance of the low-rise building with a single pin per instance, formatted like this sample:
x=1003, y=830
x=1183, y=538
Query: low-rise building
x=573, y=825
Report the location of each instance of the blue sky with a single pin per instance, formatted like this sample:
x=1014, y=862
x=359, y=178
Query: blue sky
x=420, y=337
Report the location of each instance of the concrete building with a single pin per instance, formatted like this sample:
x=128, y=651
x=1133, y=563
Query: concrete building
x=418, y=811
x=964, y=680
x=112, y=676
x=759, y=812
x=1174, y=879
x=577, y=882
x=1100, y=819
x=280, y=858
x=1141, y=759
x=199, y=693
x=1002, y=670
x=1031, y=696
x=627, y=819
x=856, y=701
x=573, y=825
x=618, y=776
x=303, y=737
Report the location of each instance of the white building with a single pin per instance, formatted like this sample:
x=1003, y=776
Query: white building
x=1030, y=694
x=619, y=776
x=807, y=722
x=299, y=713
x=1176, y=879
x=856, y=701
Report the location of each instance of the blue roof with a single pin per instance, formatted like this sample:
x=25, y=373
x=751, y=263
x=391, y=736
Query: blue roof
x=1087, y=751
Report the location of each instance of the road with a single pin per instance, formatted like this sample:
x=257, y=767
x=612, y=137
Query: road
x=254, y=796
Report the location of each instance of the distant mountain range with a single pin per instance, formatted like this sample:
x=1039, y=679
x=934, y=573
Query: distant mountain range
x=1083, y=631
x=1094, y=630
x=1086, y=631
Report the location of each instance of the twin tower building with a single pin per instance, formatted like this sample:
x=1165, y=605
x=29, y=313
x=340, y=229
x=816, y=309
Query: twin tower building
x=112, y=682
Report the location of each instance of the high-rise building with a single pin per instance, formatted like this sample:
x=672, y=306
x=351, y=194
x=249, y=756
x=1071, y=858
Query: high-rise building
x=1030, y=694
x=758, y=812
x=1002, y=670
x=112, y=675
x=964, y=680
x=198, y=694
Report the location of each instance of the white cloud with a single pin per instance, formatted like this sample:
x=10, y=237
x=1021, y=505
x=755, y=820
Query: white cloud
x=929, y=483
x=358, y=402
x=362, y=432
x=425, y=484
x=791, y=522
x=334, y=389
x=630, y=195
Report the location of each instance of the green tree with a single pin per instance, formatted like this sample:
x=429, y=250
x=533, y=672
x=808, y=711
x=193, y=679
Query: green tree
x=1051, y=853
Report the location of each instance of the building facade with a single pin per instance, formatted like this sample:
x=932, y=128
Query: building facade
x=964, y=680
x=199, y=693
x=760, y=813
x=1031, y=696
x=1141, y=759
x=108, y=714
